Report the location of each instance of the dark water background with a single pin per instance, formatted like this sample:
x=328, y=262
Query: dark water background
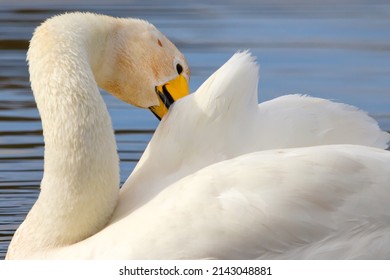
x=332, y=49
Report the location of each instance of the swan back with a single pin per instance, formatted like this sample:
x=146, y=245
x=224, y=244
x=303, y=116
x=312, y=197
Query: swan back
x=299, y=121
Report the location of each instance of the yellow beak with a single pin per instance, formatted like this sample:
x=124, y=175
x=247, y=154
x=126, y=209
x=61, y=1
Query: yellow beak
x=169, y=93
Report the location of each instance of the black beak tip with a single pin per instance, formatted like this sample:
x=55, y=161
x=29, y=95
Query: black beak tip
x=157, y=116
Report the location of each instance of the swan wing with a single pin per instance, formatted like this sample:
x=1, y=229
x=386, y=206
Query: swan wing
x=298, y=121
x=321, y=202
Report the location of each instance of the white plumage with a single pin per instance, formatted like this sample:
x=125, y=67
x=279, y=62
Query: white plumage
x=217, y=181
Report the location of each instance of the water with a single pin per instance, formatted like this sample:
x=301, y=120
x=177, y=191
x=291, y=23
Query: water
x=338, y=50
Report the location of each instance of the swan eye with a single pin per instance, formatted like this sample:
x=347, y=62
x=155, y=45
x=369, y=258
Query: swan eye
x=179, y=68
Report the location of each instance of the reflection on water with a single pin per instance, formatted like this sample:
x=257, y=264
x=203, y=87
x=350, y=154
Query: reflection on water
x=338, y=50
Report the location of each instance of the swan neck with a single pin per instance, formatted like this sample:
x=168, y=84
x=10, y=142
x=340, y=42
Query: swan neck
x=80, y=185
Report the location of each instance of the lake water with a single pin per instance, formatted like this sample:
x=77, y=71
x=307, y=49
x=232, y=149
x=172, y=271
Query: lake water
x=338, y=50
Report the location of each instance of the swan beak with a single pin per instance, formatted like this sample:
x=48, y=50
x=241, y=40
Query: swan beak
x=169, y=93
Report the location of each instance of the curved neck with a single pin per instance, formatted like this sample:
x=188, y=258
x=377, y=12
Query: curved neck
x=80, y=186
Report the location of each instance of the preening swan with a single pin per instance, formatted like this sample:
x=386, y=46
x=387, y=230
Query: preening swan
x=204, y=188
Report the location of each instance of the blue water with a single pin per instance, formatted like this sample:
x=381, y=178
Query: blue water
x=338, y=50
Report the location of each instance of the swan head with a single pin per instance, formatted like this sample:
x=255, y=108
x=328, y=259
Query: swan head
x=143, y=67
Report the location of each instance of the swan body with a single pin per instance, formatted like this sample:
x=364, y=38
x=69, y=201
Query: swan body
x=214, y=182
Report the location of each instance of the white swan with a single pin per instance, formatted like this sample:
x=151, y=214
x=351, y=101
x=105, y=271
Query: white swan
x=298, y=203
